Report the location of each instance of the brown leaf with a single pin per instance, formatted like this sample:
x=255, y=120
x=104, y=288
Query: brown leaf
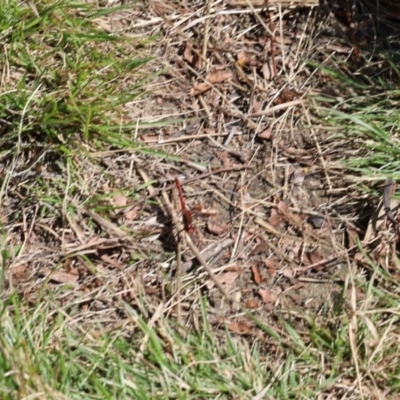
x=352, y=235
x=244, y=58
x=252, y=303
x=188, y=54
x=217, y=228
x=260, y=248
x=132, y=214
x=120, y=200
x=272, y=265
x=288, y=273
x=256, y=274
x=59, y=277
x=19, y=271
x=214, y=77
x=267, y=296
x=265, y=134
x=219, y=76
x=298, y=176
x=274, y=219
x=256, y=106
x=224, y=157
x=239, y=327
x=268, y=71
x=283, y=207
x=311, y=257
x=360, y=257
x=225, y=279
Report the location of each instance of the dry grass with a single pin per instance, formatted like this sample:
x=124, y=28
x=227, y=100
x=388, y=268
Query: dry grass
x=288, y=288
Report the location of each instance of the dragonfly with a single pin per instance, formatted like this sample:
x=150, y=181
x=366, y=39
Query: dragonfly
x=186, y=214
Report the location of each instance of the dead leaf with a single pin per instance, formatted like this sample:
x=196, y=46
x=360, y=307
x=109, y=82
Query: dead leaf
x=244, y=58
x=267, y=296
x=149, y=138
x=298, y=176
x=260, y=248
x=288, y=273
x=239, y=327
x=224, y=157
x=225, y=279
x=272, y=265
x=268, y=71
x=256, y=106
x=274, y=219
x=252, y=303
x=190, y=57
x=214, y=77
x=283, y=207
x=265, y=134
x=311, y=257
x=188, y=54
x=19, y=271
x=293, y=219
x=256, y=274
x=359, y=257
x=217, y=228
x=132, y=214
x=59, y=277
x=352, y=234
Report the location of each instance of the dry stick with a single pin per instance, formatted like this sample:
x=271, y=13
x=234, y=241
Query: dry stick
x=271, y=28
x=186, y=238
x=206, y=30
x=153, y=192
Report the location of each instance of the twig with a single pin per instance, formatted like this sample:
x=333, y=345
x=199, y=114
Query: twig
x=186, y=238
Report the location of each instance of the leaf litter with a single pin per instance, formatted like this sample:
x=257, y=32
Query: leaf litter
x=293, y=223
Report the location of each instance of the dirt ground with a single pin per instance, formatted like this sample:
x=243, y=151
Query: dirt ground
x=274, y=212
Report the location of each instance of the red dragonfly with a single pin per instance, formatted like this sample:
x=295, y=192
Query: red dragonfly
x=186, y=214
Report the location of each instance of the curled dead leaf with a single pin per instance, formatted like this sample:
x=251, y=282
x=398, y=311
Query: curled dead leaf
x=256, y=274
